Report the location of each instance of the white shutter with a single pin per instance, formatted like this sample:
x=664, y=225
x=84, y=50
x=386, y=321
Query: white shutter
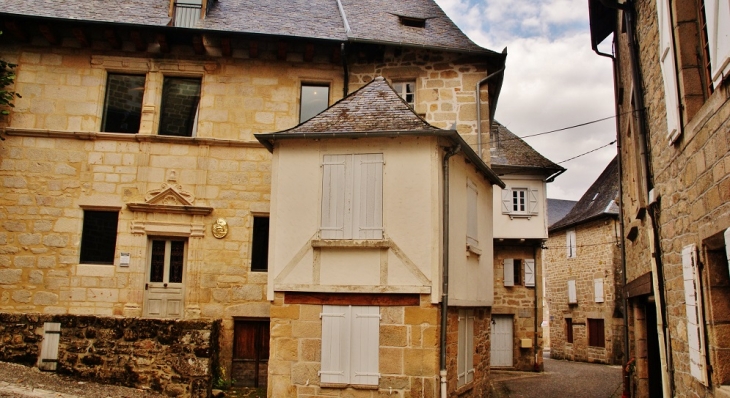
x=533, y=201
x=367, y=217
x=506, y=201
x=570, y=243
x=572, y=297
x=669, y=69
x=727, y=247
x=334, y=195
x=49, y=348
x=717, y=13
x=469, y=354
x=598, y=290
x=472, y=235
x=693, y=306
x=509, y=272
x=335, y=344
x=530, y=272
x=365, y=345
x=461, y=349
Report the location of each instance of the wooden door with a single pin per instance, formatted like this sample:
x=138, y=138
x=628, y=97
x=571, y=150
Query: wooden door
x=164, y=288
x=502, y=341
x=250, y=353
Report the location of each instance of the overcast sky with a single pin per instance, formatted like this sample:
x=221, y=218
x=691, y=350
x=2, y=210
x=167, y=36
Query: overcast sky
x=553, y=80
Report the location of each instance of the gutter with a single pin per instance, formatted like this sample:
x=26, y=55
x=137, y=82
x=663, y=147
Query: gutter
x=554, y=176
x=445, y=263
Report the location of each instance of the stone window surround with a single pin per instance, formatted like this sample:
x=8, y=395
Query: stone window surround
x=100, y=208
x=313, y=81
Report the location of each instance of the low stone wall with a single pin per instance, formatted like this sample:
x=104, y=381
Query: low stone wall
x=173, y=357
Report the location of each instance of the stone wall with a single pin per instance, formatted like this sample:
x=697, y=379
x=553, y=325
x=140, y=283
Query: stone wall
x=175, y=358
x=598, y=256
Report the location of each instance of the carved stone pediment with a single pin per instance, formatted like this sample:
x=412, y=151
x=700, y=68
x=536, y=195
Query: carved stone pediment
x=170, y=198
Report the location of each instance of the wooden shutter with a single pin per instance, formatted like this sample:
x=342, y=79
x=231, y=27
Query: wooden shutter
x=365, y=345
x=461, y=348
x=572, y=297
x=533, y=201
x=465, y=343
x=717, y=13
x=693, y=306
x=367, y=217
x=472, y=235
x=469, y=354
x=49, y=348
x=669, y=69
x=335, y=344
x=506, y=201
x=727, y=247
x=530, y=272
x=509, y=272
x=598, y=290
x=334, y=195
x=570, y=243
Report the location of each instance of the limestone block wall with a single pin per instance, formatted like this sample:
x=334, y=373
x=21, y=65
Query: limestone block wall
x=598, y=257
x=172, y=357
x=519, y=301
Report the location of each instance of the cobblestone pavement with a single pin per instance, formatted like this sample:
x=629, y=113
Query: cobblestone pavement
x=561, y=379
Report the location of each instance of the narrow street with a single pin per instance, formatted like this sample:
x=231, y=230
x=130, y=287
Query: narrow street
x=560, y=379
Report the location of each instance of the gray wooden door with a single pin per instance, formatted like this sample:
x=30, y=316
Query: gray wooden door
x=502, y=341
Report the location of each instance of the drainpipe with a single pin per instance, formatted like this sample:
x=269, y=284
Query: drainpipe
x=536, y=367
x=445, y=261
x=479, y=110
x=345, y=71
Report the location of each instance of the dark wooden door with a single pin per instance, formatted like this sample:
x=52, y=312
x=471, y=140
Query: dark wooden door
x=250, y=353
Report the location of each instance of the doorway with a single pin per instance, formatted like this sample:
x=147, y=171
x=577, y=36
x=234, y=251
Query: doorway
x=502, y=341
x=164, y=288
x=250, y=353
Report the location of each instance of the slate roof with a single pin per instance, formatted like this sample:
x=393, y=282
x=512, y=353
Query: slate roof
x=558, y=208
x=598, y=201
x=369, y=20
x=511, y=154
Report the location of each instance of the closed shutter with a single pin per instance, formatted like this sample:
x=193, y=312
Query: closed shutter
x=334, y=195
x=533, y=201
x=506, y=201
x=570, y=244
x=461, y=348
x=471, y=213
x=469, y=354
x=530, y=272
x=335, y=344
x=669, y=70
x=365, y=345
x=717, y=13
x=598, y=290
x=509, y=272
x=367, y=218
x=48, y=359
x=727, y=247
x=465, y=346
x=572, y=297
x=693, y=306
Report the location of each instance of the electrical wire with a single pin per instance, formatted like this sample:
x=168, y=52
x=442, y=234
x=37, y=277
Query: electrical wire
x=586, y=153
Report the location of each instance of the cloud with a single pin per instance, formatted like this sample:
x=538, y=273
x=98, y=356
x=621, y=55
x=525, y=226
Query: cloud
x=553, y=79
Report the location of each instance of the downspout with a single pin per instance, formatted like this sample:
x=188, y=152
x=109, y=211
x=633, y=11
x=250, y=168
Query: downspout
x=345, y=71
x=536, y=366
x=477, y=98
x=445, y=261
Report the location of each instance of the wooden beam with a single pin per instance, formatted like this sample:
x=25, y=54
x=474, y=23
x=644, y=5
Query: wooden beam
x=198, y=46
x=162, y=41
x=281, y=51
x=113, y=39
x=139, y=42
x=80, y=36
x=640, y=286
x=309, y=52
x=352, y=299
x=226, y=46
x=48, y=34
x=16, y=31
x=253, y=49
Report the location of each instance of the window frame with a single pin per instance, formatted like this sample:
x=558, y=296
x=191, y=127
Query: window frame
x=302, y=87
x=260, y=243
x=531, y=203
x=107, y=95
x=167, y=259
x=86, y=255
x=191, y=130
x=401, y=87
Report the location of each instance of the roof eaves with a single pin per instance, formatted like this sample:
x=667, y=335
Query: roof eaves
x=558, y=227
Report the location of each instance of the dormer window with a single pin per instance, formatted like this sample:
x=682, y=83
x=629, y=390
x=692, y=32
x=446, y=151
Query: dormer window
x=187, y=13
x=412, y=21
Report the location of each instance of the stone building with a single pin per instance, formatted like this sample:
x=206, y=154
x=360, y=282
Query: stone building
x=520, y=228
x=671, y=61
x=583, y=277
x=132, y=184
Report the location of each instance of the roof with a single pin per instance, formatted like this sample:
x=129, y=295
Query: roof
x=510, y=154
x=369, y=20
x=558, y=208
x=375, y=110
x=598, y=201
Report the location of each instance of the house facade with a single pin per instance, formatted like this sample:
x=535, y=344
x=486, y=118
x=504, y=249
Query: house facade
x=133, y=185
x=671, y=65
x=583, y=277
x=520, y=218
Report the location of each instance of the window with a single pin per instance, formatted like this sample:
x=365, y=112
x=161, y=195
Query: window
x=350, y=345
x=167, y=261
x=99, y=237
x=179, y=109
x=187, y=13
x=314, y=99
x=352, y=196
x=472, y=217
x=570, y=243
x=123, y=103
x=412, y=21
x=465, y=355
x=260, y=244
x=668, y=66
x=569, y=330
x=718, y=21
x=695, y=318
x=717, y=290
x=519, y=202
x=598, y=290
x=596, y=333
x=572, y=296
x=407, y=91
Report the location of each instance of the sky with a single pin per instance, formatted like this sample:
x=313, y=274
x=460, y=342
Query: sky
x=552, y=80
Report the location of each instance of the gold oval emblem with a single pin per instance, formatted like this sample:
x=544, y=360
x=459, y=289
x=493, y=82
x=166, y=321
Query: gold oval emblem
x=220, y=228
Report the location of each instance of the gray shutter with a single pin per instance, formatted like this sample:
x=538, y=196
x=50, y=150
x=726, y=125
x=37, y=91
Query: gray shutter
x=533, y=201
x=693, y=307
x=572, y=296
x=530, y=272
x=472, y=235
x=570, y=243
x=509, y=272
x=598, y=290
x=469, y=346
x=506, y=201
x=365, y=345
x=367, y=217
x=669, y=69
x=335, y=366
x=334, y=196
x=717, y=14
x=461, y=348
x=49, y=348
